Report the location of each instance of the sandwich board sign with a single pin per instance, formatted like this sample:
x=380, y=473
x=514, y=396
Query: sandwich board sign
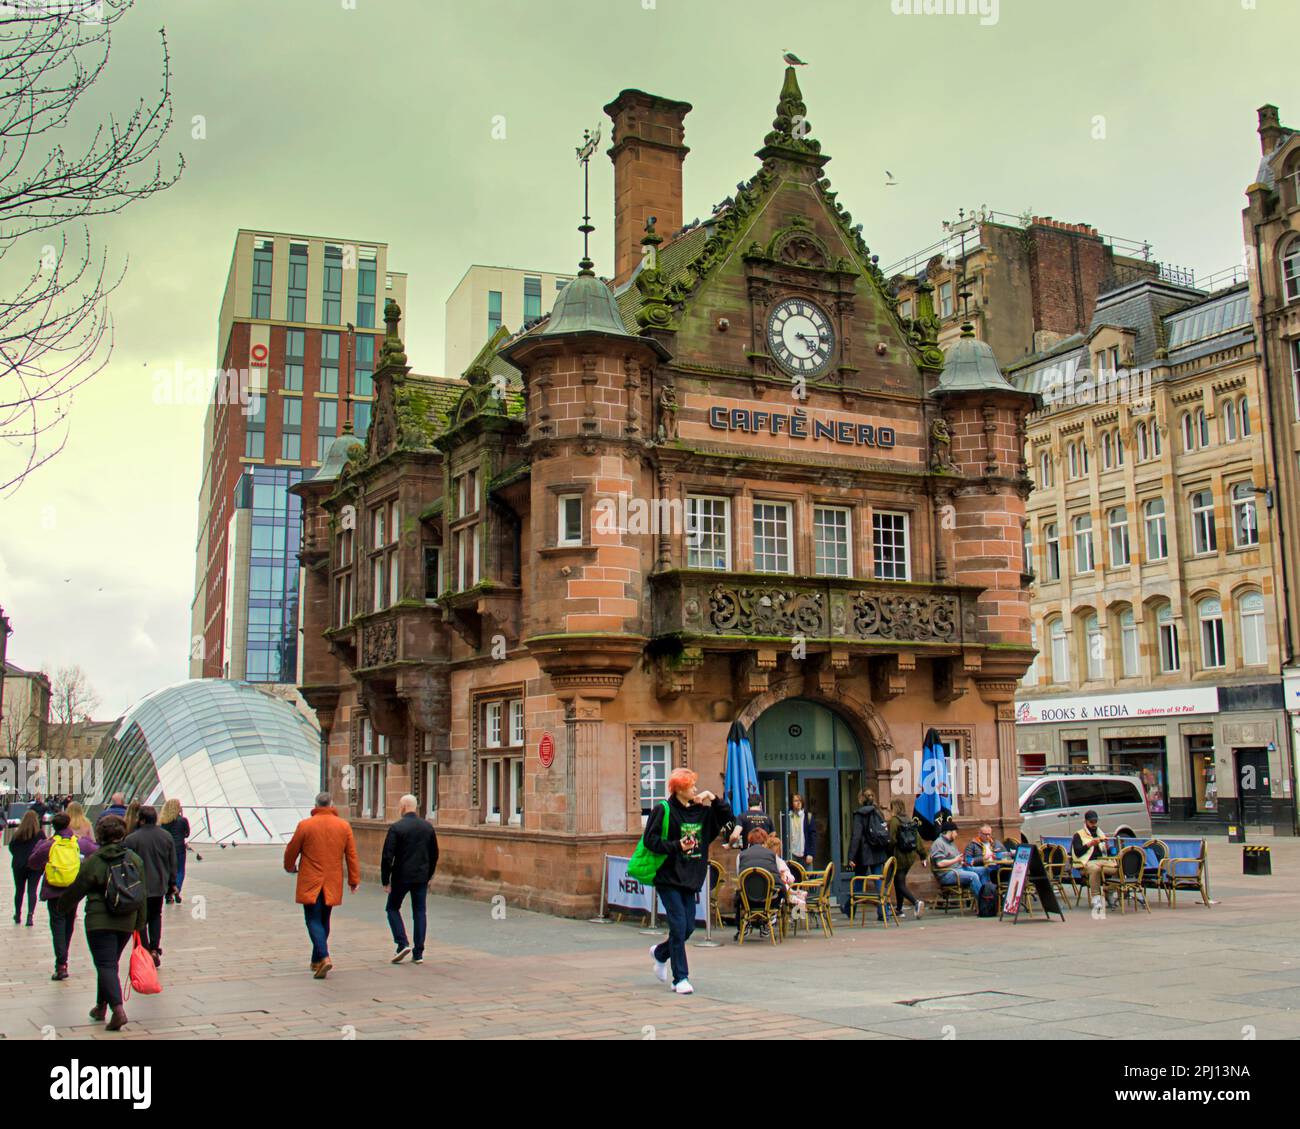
x=1029, y=867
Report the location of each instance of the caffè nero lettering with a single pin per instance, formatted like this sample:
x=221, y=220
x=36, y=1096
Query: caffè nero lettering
x=798, y=425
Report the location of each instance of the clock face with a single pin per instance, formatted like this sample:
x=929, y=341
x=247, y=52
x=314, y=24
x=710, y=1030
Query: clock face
x=800, y=337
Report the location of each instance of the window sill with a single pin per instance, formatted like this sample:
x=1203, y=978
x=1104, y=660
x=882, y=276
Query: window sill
x=566, y=550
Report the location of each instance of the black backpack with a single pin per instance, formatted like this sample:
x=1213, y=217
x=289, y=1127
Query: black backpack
x=877, y=830
x=908, y=840
x=124, y=890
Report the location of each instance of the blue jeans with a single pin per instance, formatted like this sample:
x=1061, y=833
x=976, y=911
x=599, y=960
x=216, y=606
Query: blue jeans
x=679, y=909
x=419, y=916
x=970, y=878
x=180, y=870
x=318, y=927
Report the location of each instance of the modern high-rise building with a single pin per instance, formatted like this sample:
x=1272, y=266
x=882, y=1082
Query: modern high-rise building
x=296, y=346
x=487, y=298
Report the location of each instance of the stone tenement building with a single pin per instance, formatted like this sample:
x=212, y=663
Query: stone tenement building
x=738, y=485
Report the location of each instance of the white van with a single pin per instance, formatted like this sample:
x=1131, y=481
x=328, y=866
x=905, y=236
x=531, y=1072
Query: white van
x=1054, y=803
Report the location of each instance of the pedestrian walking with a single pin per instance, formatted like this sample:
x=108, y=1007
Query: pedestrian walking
x=116, y=805
x=112, y=882
x=156, y=849
x=174, y=822
x=78, y=824
x=57, y=861
x=26, y=883
x=904, y=843
x=42, y=808
x=406, y=867
x=132, y=816
x=694, y=821
x=316, y=853
x=869, y=845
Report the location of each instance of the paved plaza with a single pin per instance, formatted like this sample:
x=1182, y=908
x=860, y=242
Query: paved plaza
x=236, y=965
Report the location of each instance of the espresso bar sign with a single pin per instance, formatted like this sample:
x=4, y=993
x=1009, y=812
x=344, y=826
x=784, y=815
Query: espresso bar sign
x=798, y=425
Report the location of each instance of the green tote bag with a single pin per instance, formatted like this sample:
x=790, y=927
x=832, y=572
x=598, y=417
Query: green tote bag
x=644, y=864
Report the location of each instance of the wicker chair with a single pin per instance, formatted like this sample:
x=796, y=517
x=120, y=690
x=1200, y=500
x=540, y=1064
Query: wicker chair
x=757, y=906
x=955, y=896
x=717, y=882
x=1056, y=862
x=1178, y=877
x=874, y=890
x=819, y=885
x=1126, y=881
x=1160, y=849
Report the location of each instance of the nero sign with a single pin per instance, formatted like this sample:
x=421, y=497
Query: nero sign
x=798, y=425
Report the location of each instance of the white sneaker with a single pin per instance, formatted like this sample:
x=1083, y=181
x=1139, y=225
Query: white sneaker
x=920, y=908
x=683, y=988
x=661, y=966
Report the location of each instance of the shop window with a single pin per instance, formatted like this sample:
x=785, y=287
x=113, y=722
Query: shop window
x=1144, y=757
x=708, y=532
x=1204, y=777
x=1076, y=752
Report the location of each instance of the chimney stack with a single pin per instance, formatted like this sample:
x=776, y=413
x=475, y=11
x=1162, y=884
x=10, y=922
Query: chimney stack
x=648, y=154
x=1270, y=129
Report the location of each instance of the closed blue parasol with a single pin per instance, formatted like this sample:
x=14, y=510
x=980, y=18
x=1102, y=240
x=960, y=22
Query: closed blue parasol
x=742, y=777
x=934, y=802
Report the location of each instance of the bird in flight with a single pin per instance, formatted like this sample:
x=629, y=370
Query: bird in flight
x=889, y=179
x=793, y=60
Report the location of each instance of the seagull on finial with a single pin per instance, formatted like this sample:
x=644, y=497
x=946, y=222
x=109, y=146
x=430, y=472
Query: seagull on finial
x=793, y=60
x=889, y=179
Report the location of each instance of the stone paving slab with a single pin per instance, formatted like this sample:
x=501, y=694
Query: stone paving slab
x=235, y=966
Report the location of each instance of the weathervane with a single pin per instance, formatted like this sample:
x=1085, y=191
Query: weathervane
x=585, y=152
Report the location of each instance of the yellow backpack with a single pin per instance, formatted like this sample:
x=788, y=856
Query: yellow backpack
x=64, y=861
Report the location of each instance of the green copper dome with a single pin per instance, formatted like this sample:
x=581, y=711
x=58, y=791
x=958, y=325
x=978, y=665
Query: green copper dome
x=585, y=305
x=336, y=456
x=970, y=366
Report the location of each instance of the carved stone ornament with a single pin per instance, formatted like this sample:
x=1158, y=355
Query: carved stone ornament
x=379, y=644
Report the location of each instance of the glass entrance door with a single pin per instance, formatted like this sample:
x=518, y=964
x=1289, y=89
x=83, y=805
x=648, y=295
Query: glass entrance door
x=820, y=792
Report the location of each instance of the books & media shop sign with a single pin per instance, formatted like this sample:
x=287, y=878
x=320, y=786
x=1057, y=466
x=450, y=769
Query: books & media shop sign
x=1119, y=707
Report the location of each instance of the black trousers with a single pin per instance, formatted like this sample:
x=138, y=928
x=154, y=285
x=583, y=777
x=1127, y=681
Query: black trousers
x=153, y=925
x=29, y=880
x=106, y=947
x=901, y=892
x=61, y=927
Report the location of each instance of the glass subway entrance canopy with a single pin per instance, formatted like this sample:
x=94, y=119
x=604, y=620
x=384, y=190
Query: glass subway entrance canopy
x=245, y=765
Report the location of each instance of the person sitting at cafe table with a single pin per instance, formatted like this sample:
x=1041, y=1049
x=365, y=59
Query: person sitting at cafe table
x=760, y=856
x=946, y=862
x=1088, y=853
x=984, y=850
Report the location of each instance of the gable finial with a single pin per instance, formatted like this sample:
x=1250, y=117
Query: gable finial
x=790, y=135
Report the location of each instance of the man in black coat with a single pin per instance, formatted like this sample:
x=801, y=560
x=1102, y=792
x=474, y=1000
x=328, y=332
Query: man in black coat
x=406, y=867
x=157, y=851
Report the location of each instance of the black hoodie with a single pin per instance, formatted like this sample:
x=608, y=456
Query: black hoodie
x=867, y=857
x=685, y=869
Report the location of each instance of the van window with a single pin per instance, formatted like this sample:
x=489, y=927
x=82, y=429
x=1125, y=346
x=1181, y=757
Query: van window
x=1085, y=793
x=1123, y=792
x=1046, y=798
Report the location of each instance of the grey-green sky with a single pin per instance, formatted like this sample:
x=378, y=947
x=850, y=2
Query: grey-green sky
x=373, y=120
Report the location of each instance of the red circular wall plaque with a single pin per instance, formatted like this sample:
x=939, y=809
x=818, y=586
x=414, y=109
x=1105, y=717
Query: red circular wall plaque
x=546, y=750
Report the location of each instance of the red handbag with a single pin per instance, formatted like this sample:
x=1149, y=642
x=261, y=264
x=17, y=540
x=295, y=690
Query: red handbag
x=144, y=975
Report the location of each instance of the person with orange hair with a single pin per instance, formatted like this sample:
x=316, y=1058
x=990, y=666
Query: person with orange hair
x=695, y=819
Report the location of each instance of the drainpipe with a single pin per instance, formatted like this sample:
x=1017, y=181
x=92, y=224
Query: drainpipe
x=1279, y=522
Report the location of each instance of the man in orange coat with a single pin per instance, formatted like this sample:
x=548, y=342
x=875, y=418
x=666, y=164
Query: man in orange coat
x=316, y=853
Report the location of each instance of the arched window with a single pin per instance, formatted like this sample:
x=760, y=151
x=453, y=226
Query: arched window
x=1083, y=455
x=1107, y=451
x=1060, y=651
x=1245, y=521
x=1140, y=437
x=1204, y=539
x=1229, y=421
x=1096, y=648
x=1245, y=416
x=1045, y=470
x=1128, y=638
x=1291, y=270
x=1072, y=452
x=1084, y=561
x=1202, y=428
x=1157, y=531
x=1211, y=615
x=1119, y=448
x=1167, y=640
x=1186, y=424
x=1155, y=440
x=1052, y=551
x=1254, y=645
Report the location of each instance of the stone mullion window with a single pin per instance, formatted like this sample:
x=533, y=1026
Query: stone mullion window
x=344, y=577
x=651, y=739
x=497, y=763
x=369, y=769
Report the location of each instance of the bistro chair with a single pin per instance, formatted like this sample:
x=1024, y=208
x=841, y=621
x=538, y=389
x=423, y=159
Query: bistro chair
x=955, y=896
x=874, y=890
x=1056, y=862
x=1187, y=874
x=1155, y=876
x=757, y=892
x=819, y=886
x=717, y=883
x=798, y=869
x=1126, y=881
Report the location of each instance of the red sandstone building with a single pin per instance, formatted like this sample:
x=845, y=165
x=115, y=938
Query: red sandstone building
x=733, y=484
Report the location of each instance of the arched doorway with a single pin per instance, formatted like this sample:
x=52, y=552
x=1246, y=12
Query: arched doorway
x=803, y=746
